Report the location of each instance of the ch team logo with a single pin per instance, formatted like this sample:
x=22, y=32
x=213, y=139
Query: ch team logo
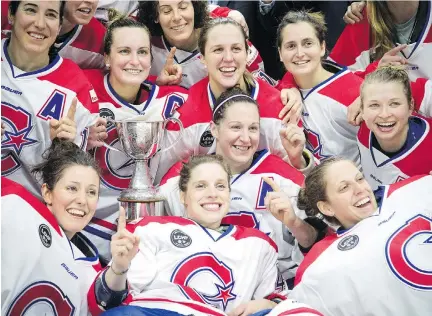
x=405, y=251
x=198, y=269
x=117, y=168
x=19, y=124
x=41, y=298
x=314, y=144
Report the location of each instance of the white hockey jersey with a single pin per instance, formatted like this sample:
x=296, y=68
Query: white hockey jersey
x=84, y=46
x=415, y=158
x=324, y=117
x=156, y=103
x=193, y=68
x=29, y=101
x=353, y=49
x=247, y=208
x=43, y=273
x=196, y=115
x=382, y=265
x=178, y=259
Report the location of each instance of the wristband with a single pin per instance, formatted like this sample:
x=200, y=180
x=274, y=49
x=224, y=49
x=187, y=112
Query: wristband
x=119, y=273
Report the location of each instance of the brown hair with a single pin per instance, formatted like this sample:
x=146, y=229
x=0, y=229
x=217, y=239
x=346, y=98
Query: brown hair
x=148, y=13
x=61, y=155
x=388, y=74
x=212, y=23
x=116, y=21
x=314, y=190
x=195, y=161
x=315, y=19
x=382, y=28
x=228, y=98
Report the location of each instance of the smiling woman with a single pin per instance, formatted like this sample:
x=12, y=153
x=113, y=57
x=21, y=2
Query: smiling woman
x=327, y=89
x=194, y=265
x=394, y=142
x=178, y=24
x=46, y=256
x=124, y=93
x=45, y=96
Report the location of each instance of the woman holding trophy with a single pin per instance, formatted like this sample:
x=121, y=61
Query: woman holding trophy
x=124, y=93
x=193, y=265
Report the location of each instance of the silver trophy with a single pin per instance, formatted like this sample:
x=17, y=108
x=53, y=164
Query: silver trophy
x=140, y=140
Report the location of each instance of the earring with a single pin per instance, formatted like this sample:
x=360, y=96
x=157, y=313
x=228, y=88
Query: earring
x=10, y=21
x=108, y=66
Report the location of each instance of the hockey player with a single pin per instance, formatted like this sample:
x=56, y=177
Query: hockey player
x=374, y=40
x=123, y=93
x=186, y=264
x=327, y=89
x=394, y=144
x=223, y=46
x=396, y=235
x=38, y=92
x=178, y=24
x=47, y=265
x=81, y=35
x=236, y=129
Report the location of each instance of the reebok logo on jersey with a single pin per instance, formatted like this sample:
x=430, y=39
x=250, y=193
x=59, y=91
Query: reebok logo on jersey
x=348, y=242
x=180, y=239
x=45, y=235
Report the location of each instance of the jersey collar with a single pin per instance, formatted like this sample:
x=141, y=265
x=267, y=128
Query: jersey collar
x=52, y=66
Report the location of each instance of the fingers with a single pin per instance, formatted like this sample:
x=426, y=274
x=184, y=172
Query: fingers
x=294, y=134
x=121, y=224
x=354, y=110
x=71, y=112
x=354, y=13
x=271, y=183
x=239, y=310
x=171, y=55
x=394, y=51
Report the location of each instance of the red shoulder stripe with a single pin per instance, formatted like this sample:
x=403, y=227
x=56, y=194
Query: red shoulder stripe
x=244, y=232
x=9, y=187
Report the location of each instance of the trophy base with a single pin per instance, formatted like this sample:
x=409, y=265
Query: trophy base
x=136, y=210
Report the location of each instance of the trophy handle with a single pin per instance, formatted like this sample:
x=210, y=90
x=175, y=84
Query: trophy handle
x=108, y=146
x=180, y=135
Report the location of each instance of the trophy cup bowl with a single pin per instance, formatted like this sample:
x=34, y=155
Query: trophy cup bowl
x=140, y=140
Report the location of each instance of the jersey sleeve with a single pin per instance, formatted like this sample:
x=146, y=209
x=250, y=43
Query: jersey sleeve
x=143, y=267
x=352, y=48
x=422, y=94
x=170, y=190
x=269, y=276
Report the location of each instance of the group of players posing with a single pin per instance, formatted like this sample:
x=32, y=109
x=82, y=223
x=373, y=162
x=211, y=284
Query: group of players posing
x=242, y=215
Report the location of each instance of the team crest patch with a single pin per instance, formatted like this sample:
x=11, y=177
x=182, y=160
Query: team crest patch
x=348, y=242
x=107, y=114
x=206, y=139
x=180, y=239
x=45, y=235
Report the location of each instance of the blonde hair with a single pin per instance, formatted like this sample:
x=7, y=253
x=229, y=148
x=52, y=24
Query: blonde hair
x=388, y=74
x=382, y=28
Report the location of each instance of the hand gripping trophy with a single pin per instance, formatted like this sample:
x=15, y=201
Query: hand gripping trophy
x=140, y=140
